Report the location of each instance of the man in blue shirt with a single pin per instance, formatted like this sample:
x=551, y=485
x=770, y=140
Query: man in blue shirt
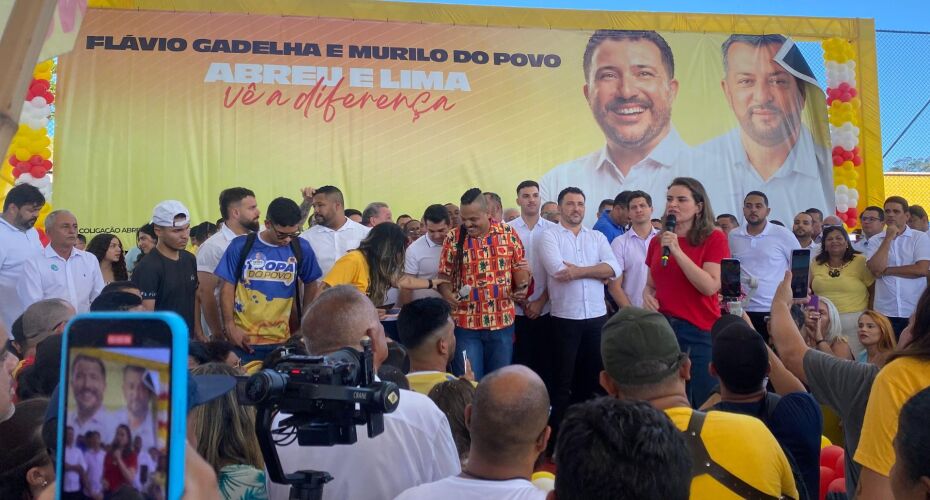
x=613, y=222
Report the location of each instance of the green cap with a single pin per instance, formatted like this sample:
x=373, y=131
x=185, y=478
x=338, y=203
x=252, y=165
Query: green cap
x=639, y=347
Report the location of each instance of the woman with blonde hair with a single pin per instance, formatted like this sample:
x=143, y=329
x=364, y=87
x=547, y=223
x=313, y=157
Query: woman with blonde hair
x=877, y=337
x=823, y=329
x=224, y=433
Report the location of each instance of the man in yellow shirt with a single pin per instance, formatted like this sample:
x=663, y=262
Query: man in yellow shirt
x=426, y=329
x=733, y=456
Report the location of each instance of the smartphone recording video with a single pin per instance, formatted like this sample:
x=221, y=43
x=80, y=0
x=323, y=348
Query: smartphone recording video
x=117, y=408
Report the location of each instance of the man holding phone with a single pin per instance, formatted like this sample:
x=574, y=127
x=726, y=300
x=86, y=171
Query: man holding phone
x=900, y=262
x=764, y=252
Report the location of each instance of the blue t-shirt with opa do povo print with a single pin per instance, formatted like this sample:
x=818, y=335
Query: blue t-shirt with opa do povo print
x=265, y=292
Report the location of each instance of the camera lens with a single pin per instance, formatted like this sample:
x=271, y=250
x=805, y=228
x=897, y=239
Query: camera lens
x=265, y=385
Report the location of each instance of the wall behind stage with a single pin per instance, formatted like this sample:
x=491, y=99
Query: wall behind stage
x=156, y=105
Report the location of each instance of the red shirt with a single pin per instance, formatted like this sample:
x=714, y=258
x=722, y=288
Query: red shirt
x=112, y=474
x=676, y=295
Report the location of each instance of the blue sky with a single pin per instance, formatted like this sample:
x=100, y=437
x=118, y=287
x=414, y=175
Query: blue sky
x=903, y=88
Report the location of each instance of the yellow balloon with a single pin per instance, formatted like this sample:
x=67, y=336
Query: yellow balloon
x=45, y=153
x=22, y=154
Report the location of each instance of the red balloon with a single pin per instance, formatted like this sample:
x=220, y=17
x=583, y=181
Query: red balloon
x=843, y=86
x=840, y=468
x=35, y=160
x=17, y=172
x=857, y=160
x=46, y=164
x=855, y=150
x=828, y=455
x=847, y=155
x=838, y=485
x=826, y=477
x=13, y=161
x=42, y=237
x=829, y=100
x=37, y=172
x=838, y=150
x=853, y=92
x=24, y=166
x=853, y=214
x=49, y=97
x=837, y=160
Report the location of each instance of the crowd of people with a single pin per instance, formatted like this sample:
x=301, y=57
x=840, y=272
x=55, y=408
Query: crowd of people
x=522, y=340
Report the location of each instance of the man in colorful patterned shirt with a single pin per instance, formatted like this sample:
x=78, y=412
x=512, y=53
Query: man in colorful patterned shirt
x=258, y=294
x=485, y=265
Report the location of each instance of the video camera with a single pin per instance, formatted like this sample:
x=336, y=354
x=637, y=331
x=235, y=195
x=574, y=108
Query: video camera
x=325, y=398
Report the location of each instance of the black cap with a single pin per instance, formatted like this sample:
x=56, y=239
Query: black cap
x=739, y=354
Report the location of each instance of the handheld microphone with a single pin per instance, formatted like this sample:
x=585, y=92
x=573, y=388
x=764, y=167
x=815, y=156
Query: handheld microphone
x=464, y=292
x=670, y=223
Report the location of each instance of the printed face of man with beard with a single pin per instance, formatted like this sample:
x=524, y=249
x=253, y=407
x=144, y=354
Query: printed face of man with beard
x=631, y=93
x=765, y=98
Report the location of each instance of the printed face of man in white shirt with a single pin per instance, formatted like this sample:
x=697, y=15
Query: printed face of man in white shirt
x=765, y=98
x=631, y=91
x=138, y=397
x=88, y=383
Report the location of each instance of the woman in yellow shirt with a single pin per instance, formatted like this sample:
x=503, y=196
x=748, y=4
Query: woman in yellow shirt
x=840, y=274
x=377, y=265
x=906, y=373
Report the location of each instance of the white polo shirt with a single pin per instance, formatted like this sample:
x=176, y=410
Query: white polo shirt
x=76, y=279
x=580, y=298
x=211, y=252
x=765, y=256
x=16, y=247
x=630, y=252
x=528, y=237
x=329, y=245
x=894, y=296
x=416, y=447
x=422, y=261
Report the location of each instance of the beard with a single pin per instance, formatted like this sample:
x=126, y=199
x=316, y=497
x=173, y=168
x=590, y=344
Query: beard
x=770, y=136
x=660, y=119
x=251, y=225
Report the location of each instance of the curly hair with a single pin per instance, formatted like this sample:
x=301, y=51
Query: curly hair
x=99, y=246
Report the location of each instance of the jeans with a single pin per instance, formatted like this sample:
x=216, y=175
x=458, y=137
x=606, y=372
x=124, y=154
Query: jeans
x=260, y=352
x=576, y=365
x=697, y=344
x=487, y=350
x=530, y=348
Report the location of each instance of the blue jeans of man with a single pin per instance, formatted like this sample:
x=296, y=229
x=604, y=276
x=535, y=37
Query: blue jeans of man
x=487, y=350
x=697, y=344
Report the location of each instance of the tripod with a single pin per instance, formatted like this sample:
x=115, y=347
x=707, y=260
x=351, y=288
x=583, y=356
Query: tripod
x=307, y=484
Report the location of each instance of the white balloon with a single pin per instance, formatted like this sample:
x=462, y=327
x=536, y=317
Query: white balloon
x=842, y=189
x=842, y=199
x=38, y=102
x=841, y=208
x=854, y=193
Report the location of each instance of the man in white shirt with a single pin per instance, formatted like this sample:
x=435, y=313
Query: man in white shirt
x=61, y=271
x=507, y=424
x=630, y=87
x=75, y=468
x=764, y=252
x=767, y=83
x=333, y=234
x=918, y=220
x=422, y=256
x=872, y=219
x=817, y=224
x=88, y=384
x=531, y=325
x=803, y=229
x=377, y=212
x=19, y=242
x=240, y=213
x=576, y=260
x=630, y=251
x=900, y=264
x=416, y=446
x=139, y=393
x=94, y=454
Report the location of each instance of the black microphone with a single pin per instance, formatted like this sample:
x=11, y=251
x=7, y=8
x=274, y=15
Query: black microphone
x=670, y=223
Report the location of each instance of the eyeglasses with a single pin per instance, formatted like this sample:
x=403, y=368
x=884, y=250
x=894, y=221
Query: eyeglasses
x=869, y=219
x=282, y=236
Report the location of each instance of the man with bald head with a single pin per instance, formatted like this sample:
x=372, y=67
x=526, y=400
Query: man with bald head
x=60, y=270
x=508, y=425
x=416, y=446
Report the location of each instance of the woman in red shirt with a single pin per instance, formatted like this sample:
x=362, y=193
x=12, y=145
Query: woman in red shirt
x=685, y=289
x=119, y=465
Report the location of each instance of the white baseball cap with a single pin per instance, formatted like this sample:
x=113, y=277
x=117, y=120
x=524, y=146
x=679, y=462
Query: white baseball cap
x=166, y=213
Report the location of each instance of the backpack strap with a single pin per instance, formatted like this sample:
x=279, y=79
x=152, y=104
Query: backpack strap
x=243, y=255
x=702, y=463
x=298, y=255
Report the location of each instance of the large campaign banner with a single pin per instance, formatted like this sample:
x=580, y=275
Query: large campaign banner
x=157, y=105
